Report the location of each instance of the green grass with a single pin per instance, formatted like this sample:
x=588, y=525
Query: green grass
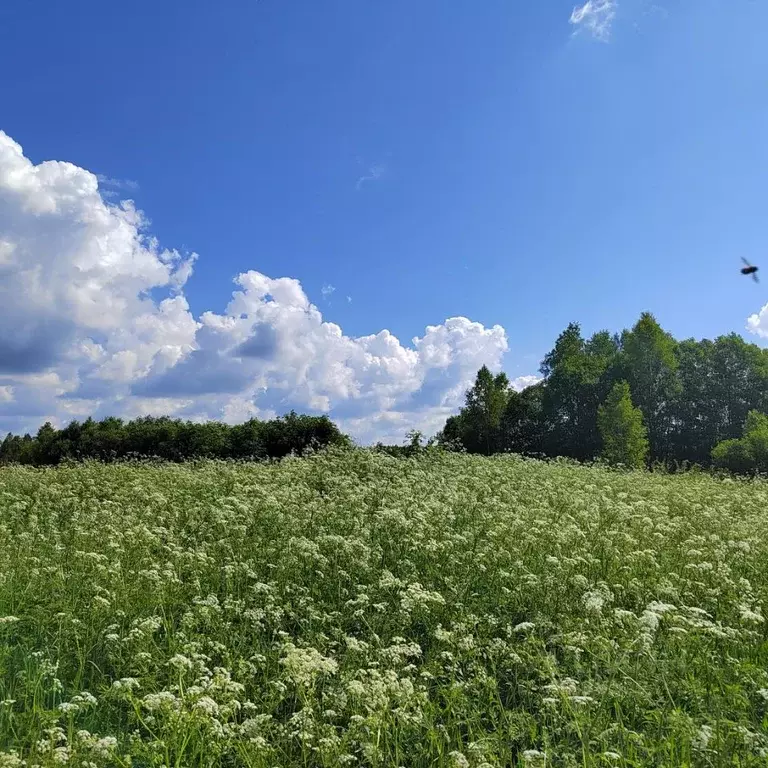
x=353, y=609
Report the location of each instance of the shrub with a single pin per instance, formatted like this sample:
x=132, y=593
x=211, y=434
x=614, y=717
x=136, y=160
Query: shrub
x=746, y=454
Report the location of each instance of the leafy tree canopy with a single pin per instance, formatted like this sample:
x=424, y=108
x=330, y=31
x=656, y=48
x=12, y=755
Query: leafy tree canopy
x=691, y=395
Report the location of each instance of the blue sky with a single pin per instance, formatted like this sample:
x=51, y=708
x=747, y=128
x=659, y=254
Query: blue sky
x=520, y=165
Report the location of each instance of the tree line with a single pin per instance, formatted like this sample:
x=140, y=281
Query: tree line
x=637, y=397
x=171, y=439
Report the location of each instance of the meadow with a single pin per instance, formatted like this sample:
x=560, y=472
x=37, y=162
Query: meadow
x=353, y=609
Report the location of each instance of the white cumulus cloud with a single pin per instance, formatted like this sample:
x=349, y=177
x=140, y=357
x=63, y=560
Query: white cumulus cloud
x=94, y=321
x=758, y=322
x=522, y=382
x=595, y=17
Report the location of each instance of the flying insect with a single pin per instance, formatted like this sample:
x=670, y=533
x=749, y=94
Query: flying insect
x=749, y=269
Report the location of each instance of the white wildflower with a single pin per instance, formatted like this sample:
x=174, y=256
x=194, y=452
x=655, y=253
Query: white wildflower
x=355, y=645
x=85, y=697
x=356, y=688
x=661, y=608
x=580, y=581
x=105, y=745
x=303, y=665
x=458, y=760
x=702, y=738
x=594, y=601
x=181, y=662
x=650, y=621
x=208, y=705
x=567, y=686
x=748, y=614
x=415, y=596
x=160, y=700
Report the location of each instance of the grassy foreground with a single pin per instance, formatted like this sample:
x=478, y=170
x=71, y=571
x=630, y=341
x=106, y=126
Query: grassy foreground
x=353, y=609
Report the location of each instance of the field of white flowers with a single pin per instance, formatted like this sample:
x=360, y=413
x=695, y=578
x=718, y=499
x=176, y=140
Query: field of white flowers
x=357, y=610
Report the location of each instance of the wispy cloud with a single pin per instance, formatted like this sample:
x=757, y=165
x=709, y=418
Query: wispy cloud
x=327, y=290
x=125, y=184
x=374, y=173
x=596, y=17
